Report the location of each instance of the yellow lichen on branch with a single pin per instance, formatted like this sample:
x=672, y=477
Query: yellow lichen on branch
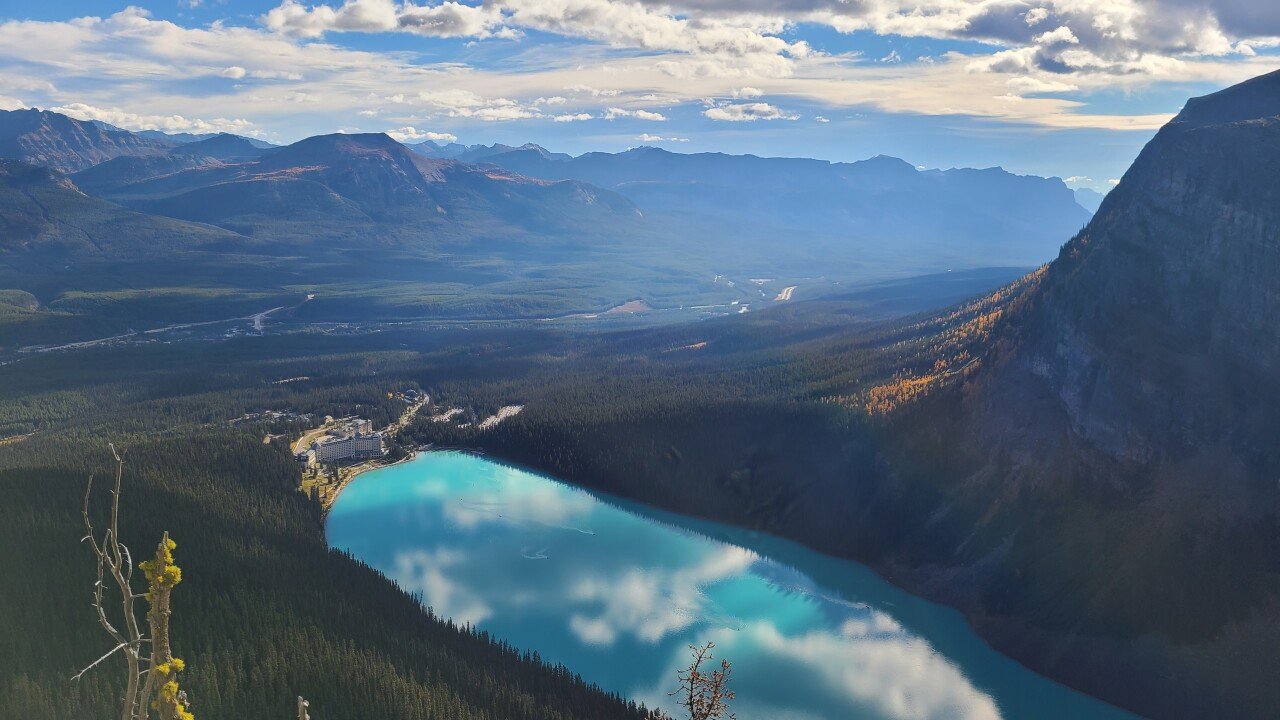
x=162, y=576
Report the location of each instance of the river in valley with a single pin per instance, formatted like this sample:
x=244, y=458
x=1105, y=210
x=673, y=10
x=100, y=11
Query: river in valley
x=618, y=591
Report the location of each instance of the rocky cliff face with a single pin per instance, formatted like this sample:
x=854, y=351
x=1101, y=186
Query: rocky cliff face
x=65, y=144
x=1158, y=327
x=1117, y=451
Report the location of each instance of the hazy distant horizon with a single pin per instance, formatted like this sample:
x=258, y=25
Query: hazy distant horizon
x=1065, y=89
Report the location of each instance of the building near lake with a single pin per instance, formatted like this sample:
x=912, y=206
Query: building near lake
x=356, y=446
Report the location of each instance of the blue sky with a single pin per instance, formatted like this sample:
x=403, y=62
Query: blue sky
x=1071, y=88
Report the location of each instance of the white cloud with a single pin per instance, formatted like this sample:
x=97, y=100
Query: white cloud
x=164, y=123
x=1059, y=35
x=412, y=134
x=821, y=119
x=748, y=112
x=571, y=117
x=622, y=24
x=892, y=57
x=1026, y=85
x=458, y=102
x=11, y=103
x=1078, y=179
x=1035, y=16
x=615, y=112
x=646, y=137
x=593, y=92
x=746, y=93
x=235, y=72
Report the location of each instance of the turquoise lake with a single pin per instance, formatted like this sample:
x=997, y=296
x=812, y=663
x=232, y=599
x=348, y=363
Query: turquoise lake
x=617, y=591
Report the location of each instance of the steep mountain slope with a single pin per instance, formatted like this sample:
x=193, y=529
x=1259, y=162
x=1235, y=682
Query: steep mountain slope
x=970, y=217
x=65, y=144
x=1112, y=456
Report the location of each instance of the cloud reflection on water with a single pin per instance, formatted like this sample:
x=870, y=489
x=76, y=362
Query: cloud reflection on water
x=622, y=605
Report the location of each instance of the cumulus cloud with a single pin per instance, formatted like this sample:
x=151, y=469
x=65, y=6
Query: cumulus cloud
x=235, y=72
x=614, y=113
x=448, y=19
x=723, y=45
x=646, y=137
x=571, y=117
x=412, y=134
x=748, y=112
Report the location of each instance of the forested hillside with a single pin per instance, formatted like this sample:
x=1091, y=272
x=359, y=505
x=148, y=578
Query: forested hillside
x=265, y=611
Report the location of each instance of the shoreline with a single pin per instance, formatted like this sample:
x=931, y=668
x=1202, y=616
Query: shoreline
x=367, y=467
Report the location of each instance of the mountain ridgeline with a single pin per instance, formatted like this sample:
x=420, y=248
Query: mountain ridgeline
x=957, y=215
x=479, y=232
x=65, y=144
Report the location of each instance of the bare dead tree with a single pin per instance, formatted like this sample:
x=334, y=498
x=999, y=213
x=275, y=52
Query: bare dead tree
x=705, y=695
x=302, y=709
x=151, y=670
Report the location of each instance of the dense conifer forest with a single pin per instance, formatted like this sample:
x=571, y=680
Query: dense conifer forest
x=266, y=611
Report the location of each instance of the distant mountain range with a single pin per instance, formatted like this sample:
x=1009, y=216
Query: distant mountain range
x=957, y=214
x=184, y=138
x=1089, y=199
x=518, y=231
x=366, y=187
x=474, y=153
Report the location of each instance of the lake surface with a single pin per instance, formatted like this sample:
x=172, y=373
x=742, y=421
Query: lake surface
x=617, y=591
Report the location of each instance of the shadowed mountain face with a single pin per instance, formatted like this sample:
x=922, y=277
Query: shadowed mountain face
x=1111, y=464
x=65, y=144
x=966, y=216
